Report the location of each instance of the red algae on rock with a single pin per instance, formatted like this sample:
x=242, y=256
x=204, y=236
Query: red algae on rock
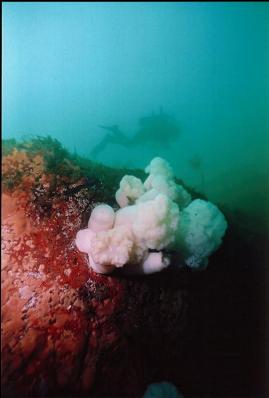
x=65, y=327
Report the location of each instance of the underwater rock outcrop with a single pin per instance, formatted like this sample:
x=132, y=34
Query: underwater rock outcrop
x=64, y=326
x=67, y=331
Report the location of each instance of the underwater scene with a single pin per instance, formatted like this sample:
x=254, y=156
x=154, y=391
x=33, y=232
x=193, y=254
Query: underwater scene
x=135, y=200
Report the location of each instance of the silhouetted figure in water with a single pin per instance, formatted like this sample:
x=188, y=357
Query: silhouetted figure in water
x=114, y=130
x=157, y=130
x=115, y=136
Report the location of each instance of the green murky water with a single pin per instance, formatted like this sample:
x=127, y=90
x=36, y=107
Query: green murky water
x=123, y=82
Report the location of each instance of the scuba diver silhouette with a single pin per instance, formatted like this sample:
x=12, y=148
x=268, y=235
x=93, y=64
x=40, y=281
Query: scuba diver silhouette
x=115, y=136
x=158, y=130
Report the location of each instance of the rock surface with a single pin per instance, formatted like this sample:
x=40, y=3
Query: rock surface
x=66, y=329
x=68, y=332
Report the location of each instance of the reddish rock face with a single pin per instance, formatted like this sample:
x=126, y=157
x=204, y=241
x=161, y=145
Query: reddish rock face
x=68, y=332
x=66, y=329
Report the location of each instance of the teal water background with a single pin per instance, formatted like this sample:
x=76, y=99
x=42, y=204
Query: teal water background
x=69, y=67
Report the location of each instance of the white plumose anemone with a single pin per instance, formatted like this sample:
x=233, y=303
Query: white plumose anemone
x=153, y=216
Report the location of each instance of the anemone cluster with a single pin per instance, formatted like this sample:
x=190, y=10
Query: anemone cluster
x=154, y=218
